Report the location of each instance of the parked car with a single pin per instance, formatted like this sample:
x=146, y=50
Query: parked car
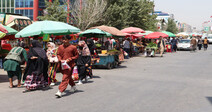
x=210, y=38
x=184, y=44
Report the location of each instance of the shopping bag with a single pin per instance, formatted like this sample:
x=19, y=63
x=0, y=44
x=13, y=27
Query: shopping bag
x=65, y=66
x=125, y=53
x=75, y=75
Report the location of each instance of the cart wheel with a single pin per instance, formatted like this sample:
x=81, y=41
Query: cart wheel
x=109, y=66
x=115, y=64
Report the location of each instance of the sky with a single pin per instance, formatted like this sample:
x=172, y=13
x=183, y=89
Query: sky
x=192, y=12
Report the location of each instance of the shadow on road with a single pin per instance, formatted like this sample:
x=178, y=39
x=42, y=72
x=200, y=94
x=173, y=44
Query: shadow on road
x=95, y=77
x=209, y=99
x=3, y=78
x=67, y=92
x=122, y=66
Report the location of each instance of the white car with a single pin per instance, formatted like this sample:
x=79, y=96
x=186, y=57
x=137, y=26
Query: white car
x=184, y=44
x=210, y=39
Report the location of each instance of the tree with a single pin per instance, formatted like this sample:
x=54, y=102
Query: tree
x=54, y=11
x=172, y=26
x=137, y=13
x=88, y=13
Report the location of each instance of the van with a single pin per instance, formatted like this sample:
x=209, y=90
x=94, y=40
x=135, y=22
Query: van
x=210, y=38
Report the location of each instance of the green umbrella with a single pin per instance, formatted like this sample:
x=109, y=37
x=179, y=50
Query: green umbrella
x=95, y=33
x=170, y=34
x=2, y=34
x=10, y=30
x=47, y=27
x=146, y=32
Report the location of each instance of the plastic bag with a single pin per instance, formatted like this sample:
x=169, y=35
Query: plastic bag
x=75, y=75
x=65, y=66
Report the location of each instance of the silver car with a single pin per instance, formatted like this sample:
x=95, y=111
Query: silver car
x=184, y=44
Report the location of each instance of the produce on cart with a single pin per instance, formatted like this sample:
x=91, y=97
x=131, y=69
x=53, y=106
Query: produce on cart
x=150, y=49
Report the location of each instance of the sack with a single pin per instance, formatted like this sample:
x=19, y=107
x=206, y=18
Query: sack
x=65, y=66
x=75, y=75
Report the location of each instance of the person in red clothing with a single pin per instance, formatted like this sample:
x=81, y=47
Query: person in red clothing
x=67, y=54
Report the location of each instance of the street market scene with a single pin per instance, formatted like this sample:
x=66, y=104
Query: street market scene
x=105, y=56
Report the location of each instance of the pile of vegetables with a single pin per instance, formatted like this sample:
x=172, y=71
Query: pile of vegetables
x=114, y=51
x=151, y=44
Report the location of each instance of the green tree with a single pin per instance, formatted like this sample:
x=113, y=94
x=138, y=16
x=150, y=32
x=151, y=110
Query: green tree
x=137, y=13
x=172, y=26
x=54, y=11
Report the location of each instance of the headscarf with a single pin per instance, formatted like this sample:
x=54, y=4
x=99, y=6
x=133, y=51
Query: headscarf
x=37, y=50
x=85, y=50
x=91, y=45
x=52, y=45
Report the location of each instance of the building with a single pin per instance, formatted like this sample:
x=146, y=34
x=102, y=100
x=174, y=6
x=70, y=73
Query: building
x=29, y=8
x=7, y=6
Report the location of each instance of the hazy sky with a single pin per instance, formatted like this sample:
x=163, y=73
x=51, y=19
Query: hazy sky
x=193, y=12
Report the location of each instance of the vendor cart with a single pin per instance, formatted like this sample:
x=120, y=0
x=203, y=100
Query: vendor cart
x=107, y=60
x=150, y=51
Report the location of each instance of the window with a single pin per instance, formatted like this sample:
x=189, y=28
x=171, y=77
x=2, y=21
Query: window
x=17, y=3
x=8, y=3
x=26, y=12
x=17, y=11
x=30, y=3
x=21, y=3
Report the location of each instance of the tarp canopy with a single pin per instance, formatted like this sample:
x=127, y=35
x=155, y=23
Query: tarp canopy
x=133, y=30
x=112, y=30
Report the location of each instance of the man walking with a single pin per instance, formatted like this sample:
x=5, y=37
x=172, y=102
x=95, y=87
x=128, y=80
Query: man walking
x=67, y=54
x=161, y=46
x=193, y=44
x=205, y=43
x=199, y=43
x=174, y=44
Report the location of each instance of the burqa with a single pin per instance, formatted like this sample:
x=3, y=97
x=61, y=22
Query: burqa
x=39, y=65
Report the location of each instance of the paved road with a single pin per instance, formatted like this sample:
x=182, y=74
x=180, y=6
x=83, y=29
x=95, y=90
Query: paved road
x=178, y=82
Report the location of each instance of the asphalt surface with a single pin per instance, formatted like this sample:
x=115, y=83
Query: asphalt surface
x=177, y=82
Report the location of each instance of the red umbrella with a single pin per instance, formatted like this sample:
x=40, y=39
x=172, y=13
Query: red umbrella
x=2, y=29
x=156, y=35
x=138, y=35
x=132, y=30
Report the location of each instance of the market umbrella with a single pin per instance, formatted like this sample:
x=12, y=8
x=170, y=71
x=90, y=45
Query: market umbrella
x=94, y=33
x=112, y=30
x=193, y=34
x=8, y=30
x=182, y=34
x=156, y=35
x=2, y=29
x=146, y=32
x=132, y=30
x=170, y=34
x=2, y=34
x=47, y=27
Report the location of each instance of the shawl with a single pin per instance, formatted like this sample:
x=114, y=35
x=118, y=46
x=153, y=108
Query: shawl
x=85, y=51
